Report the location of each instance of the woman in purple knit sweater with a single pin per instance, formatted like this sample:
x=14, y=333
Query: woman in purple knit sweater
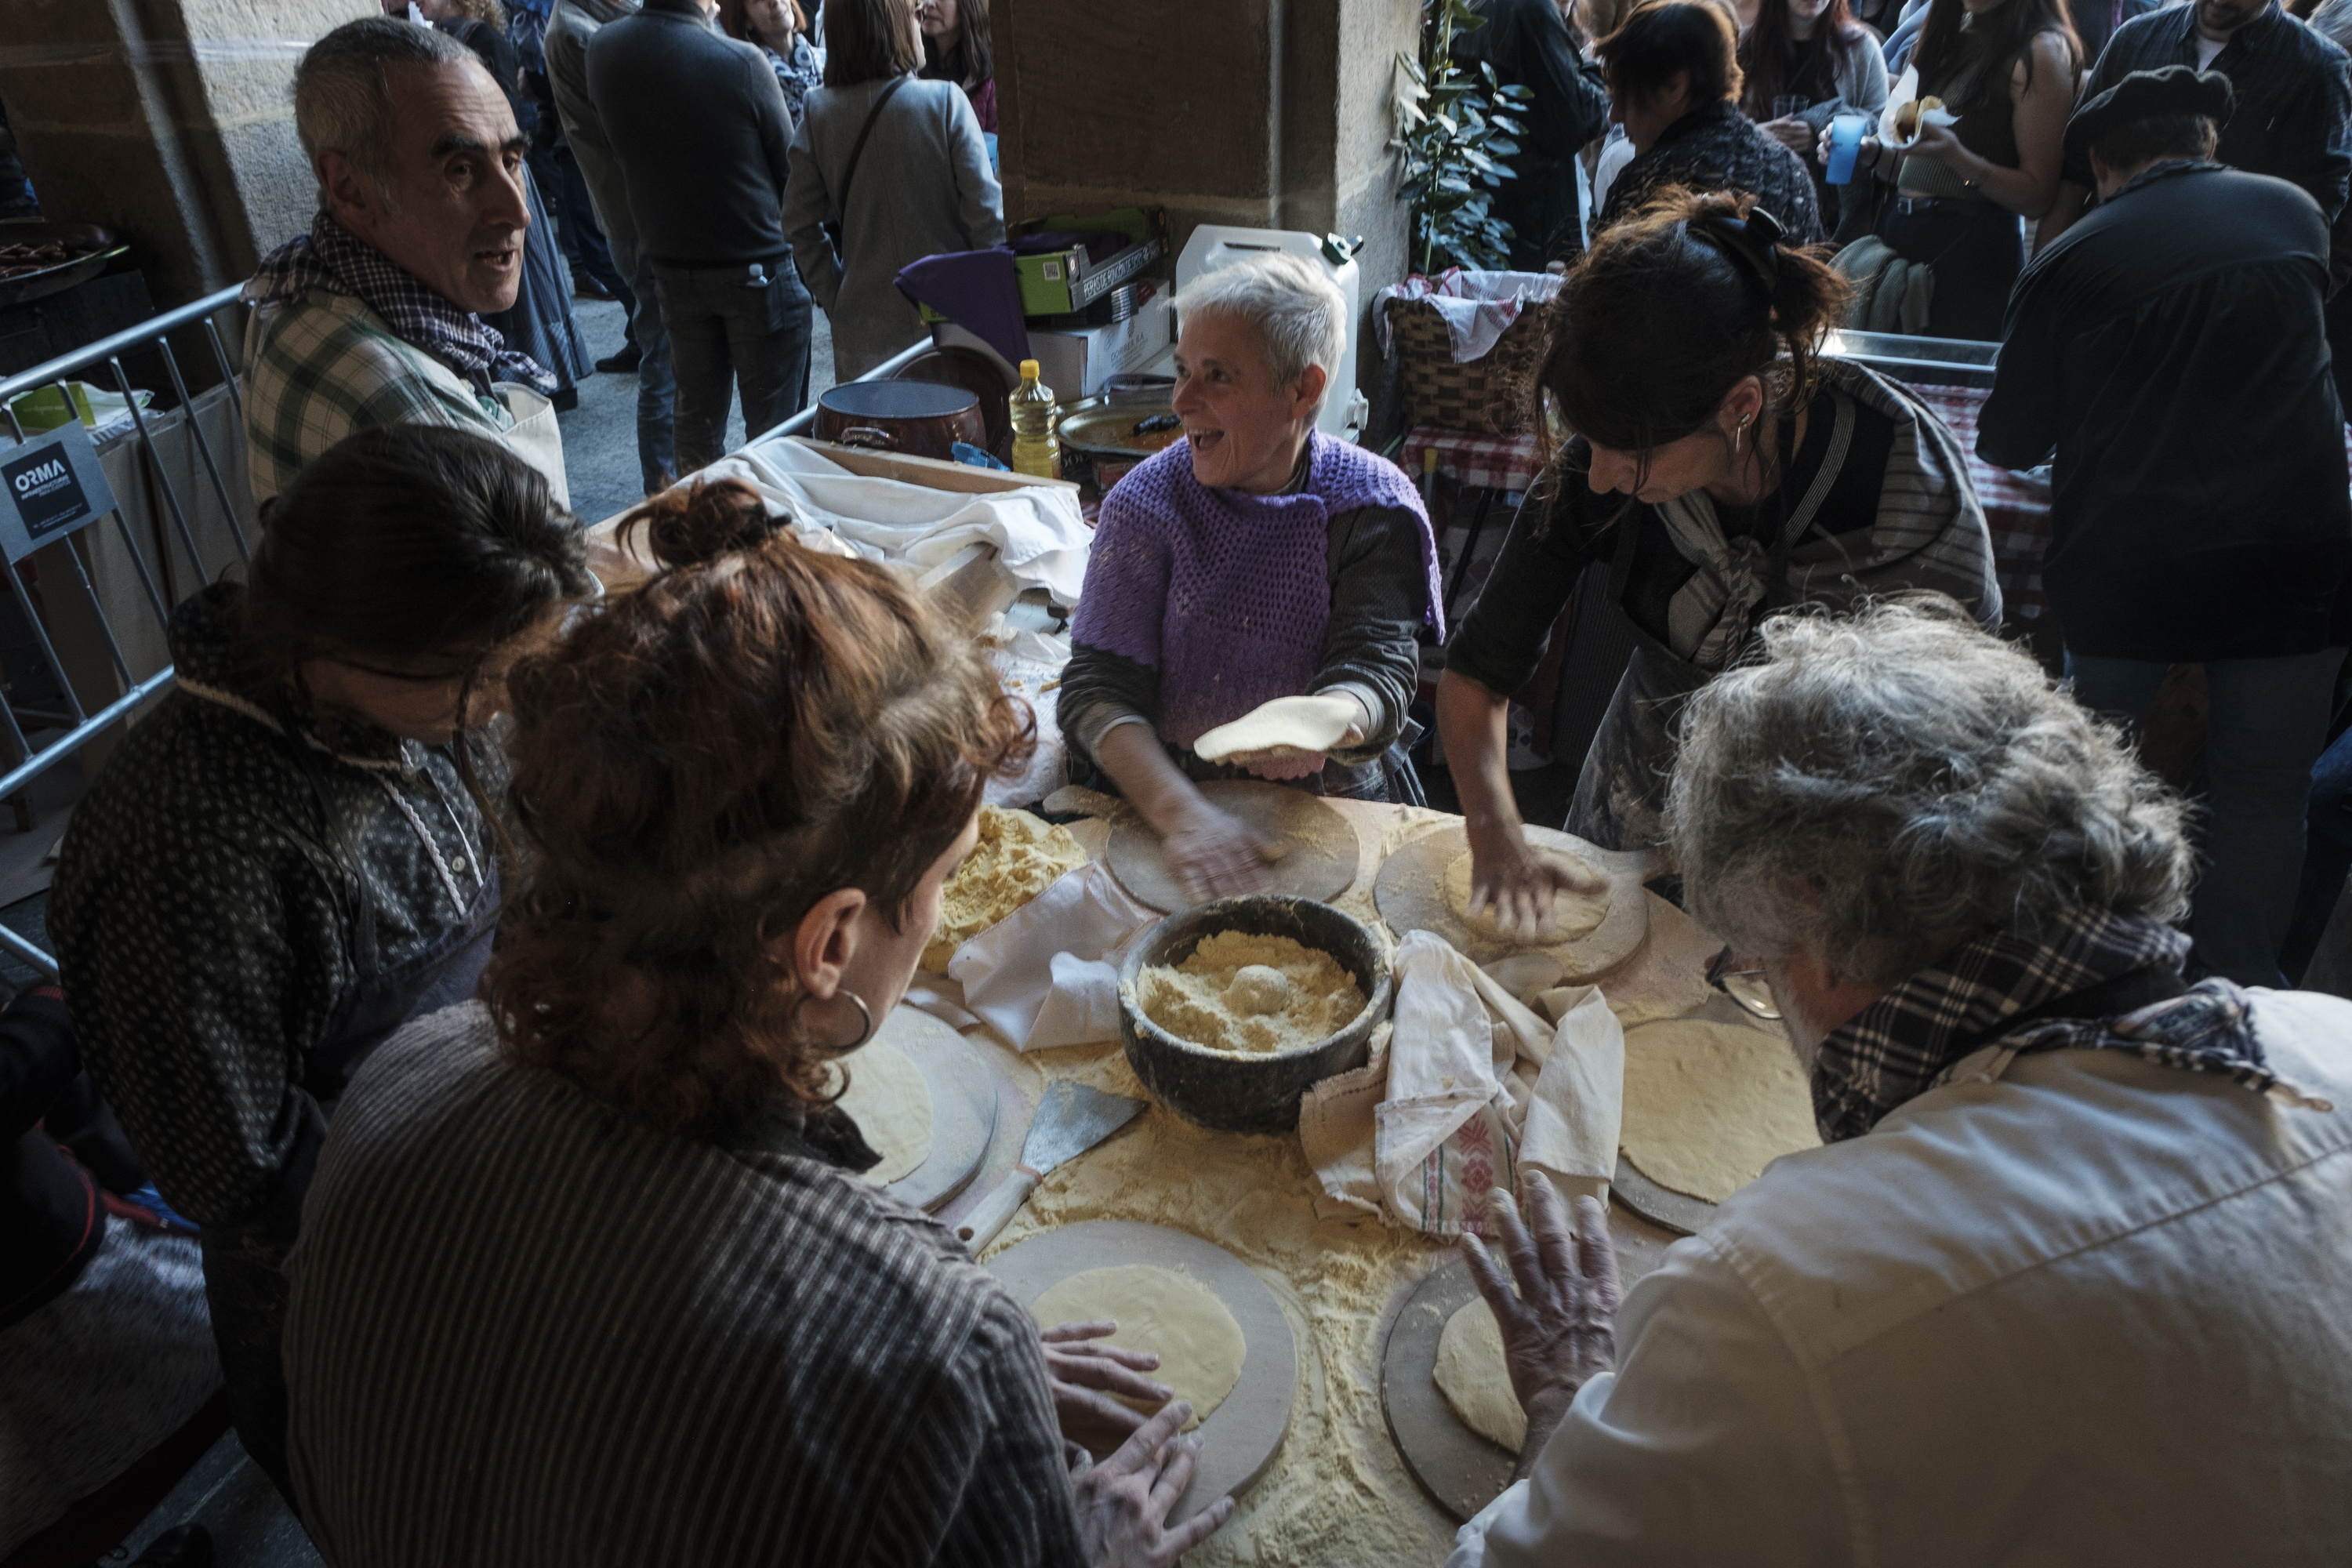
x=1258, y=565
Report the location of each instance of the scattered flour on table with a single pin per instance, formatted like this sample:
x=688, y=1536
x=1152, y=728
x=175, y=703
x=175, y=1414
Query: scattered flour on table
x=1337, y=1491
x=1245, y=993
x=1016, y=857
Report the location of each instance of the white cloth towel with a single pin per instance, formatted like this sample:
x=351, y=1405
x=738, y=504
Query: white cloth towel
x=1047, y=973
x=1040, y=537
x=1474, y=1085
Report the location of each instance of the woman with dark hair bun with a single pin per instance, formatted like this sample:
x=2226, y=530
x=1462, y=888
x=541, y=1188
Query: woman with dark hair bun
x=1719, y=468
x=589, y=1260
x=294, y=852
x=1960, y=193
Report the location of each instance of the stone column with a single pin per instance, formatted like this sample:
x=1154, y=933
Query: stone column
x=171, y=121
x=1261, y=114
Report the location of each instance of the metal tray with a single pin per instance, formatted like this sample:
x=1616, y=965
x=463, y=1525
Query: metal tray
x=99, y=243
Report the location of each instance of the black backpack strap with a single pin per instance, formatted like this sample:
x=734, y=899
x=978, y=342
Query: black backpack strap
x=857, y=151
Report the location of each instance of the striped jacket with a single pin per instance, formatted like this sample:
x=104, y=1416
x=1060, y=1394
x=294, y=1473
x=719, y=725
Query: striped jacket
x=325, y=365
x=527, y=1331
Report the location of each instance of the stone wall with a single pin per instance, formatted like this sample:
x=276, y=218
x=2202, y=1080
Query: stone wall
x=1258, y=113
x=171, y=121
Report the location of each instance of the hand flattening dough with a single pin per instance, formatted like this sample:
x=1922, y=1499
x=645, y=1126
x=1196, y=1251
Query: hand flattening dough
x=1708, y=1106
x=891, y=1103
x=1170, y=1313
x=1574, y=914
x=1475, y=1382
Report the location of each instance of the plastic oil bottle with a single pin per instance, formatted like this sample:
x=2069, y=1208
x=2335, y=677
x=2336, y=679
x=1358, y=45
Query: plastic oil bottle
x=1035, y=448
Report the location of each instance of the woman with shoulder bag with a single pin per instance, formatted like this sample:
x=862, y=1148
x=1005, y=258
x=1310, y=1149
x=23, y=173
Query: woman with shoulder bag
x=2006, y=70
x=928, y=189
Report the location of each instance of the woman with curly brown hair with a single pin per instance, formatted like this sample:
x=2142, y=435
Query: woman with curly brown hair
x=592, y=1276
x=1719, y=468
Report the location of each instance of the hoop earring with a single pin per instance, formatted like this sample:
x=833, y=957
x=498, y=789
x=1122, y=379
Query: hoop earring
x=1740, y=434
x=864, y=1012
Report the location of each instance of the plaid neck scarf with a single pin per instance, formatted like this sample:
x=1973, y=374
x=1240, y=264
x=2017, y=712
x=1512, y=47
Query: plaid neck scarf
x=328, y=257
x=1910, y=1040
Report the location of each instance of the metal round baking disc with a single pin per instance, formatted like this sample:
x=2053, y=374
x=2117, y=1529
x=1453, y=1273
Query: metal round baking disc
x=1662, y=1206
x=1320, y=851
x=1241, y=1437
x=1411, y=893
x=964, y=1105
x=1461, y=1470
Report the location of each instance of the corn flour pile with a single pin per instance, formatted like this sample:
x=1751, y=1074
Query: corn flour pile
x=1249, y=994
x=1017, y=858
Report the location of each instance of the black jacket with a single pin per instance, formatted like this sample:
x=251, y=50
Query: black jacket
x=699, y=128
x=2294, y=114
x=2169, y=347
x=1717, y=148
x=1528, y=45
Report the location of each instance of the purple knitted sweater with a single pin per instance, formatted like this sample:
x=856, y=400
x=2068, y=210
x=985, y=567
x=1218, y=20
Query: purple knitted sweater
x=1227, y=595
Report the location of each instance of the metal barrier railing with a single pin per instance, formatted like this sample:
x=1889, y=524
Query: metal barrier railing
x=46, y=735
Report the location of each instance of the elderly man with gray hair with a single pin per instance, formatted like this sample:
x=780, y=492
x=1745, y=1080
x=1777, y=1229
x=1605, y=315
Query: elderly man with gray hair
x=2068, y=1281
x=1256, y=570
x=374, y=316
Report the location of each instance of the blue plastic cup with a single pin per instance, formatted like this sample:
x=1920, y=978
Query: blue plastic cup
x=1846, y=140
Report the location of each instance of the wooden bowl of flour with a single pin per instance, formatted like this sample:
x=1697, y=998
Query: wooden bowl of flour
x=1246, y=1090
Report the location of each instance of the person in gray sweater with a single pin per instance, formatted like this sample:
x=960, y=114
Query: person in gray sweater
x=922, y=187
x=699, y=128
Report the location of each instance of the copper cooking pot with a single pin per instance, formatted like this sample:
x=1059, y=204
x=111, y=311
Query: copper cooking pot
x=915, y=418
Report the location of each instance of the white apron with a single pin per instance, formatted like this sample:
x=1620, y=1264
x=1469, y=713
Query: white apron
x=535, y=438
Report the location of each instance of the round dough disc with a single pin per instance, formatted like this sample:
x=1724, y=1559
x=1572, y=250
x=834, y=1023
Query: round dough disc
x=891, y=1104
x=1708, y=1106
x=1163, y=1311
x=1574, y=914
x=1476, y=1385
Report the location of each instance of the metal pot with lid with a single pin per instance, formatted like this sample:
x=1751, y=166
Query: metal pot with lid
x=1103, y=437
x=915, y=418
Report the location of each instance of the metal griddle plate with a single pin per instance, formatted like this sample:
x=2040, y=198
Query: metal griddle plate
x=1461, y=1471
x=1662, y=1206
x=1241, y=1437
x=964, y=1105
x=1411, y=893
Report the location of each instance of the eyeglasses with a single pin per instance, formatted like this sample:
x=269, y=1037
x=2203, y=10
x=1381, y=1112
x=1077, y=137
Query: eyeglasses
x=1745, y=986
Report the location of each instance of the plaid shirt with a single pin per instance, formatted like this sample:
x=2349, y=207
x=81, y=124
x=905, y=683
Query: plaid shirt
x=1910, y=1040
x=335, y=349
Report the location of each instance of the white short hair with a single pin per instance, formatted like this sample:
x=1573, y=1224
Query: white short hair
x=1296, y=307
x=342, y=100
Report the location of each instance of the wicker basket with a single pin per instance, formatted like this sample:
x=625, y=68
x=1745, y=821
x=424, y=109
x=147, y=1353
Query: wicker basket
x=1493, y=394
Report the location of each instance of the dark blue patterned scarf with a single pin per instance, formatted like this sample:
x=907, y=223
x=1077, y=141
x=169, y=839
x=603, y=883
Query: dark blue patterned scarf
x=328, y=257
x=1906, y=1042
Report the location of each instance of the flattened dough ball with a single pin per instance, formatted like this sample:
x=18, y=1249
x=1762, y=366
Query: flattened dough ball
x=1163, y=1311
x=890, y=1100
x=1475, y=1382
x=1574, y=914
x=1708, y=1106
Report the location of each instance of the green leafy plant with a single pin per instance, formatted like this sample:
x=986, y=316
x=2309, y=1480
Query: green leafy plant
x=1453, y=131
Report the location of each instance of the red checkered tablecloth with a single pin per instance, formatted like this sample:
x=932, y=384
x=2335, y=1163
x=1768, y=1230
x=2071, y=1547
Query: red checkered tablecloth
x=1504, y=463
x=2017, y=506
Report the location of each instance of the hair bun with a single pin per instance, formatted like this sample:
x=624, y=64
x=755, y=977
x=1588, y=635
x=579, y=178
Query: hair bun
x=690, y=524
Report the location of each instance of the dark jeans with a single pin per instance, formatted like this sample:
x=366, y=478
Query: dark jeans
x=1977, y=249
x=2267, y=724
x=247, y=1296
x=721, y=329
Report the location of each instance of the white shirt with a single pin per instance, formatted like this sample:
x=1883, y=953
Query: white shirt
x=2208, y=49
x=2071, y=1308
